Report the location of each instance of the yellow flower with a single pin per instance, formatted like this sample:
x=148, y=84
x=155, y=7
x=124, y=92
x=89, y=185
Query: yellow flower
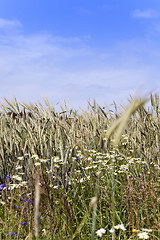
x=135, y=230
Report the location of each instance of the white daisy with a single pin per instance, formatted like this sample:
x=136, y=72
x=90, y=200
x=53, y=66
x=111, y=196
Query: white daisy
x=100, y=232
x=143, y=235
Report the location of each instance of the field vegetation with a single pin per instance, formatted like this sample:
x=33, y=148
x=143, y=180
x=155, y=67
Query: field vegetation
x=88, y=175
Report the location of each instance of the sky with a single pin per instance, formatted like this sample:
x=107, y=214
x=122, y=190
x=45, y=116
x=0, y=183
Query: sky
x=79, y=50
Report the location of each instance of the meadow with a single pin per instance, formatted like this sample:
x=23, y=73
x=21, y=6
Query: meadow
x=88, y=175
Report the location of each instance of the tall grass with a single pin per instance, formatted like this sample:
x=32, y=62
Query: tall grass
x=66, y=175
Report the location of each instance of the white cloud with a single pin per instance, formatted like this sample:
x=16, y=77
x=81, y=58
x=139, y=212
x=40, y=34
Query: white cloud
x=9, y=23
x=32, y=66
x=147, y=13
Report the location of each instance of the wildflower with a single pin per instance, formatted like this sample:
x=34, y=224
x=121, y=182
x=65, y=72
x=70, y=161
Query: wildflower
x=143, y=235
x=111, y=230
x=43, y=160
x=8, y=176
x=88, y=167
x=3, y=186
x=37, y=164
x=44, y=231
x=16, y=207
x=120, y=226
x=100, y=231
x=12, y=186
x=35, y=156
x=17, y=177
x=135, y=230
x=11, y=234
x=23, y=183
x=24, y=200
x=56, y=165
x=18, y=167
x=82, y=180
x=146, y=230
x=24, y=223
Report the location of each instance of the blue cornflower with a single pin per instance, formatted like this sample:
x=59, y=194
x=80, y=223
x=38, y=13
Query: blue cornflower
x=24, y=200
x=24, y=223
x=8, y=176
x=2, y=186
x=11, y=234
x=16, y=207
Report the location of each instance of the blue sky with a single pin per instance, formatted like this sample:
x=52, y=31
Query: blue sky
x=79, y=50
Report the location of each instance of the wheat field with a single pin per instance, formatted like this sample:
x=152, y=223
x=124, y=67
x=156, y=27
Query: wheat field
x=88, y=175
